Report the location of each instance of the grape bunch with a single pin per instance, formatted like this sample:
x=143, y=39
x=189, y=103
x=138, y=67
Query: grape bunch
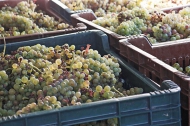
x=179, y=68
x=133, y=13
x=157, y=25
x=185, y=12
x=24, y=18
x=102, y=7
x=149, y=4
x=129, y=92
x=36, y=78
x=179, y=24
x=126, y=28
x=187, y=70
x=108, y=22
x=162, y=32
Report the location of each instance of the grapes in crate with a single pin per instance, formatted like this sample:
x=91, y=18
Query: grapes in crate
x=36, y=78
x=157, y=25
x=24, y=19
x=103, y=7
x=185, y=70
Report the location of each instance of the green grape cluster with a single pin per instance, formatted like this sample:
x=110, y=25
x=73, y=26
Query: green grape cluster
x=36, y=78
x=185, y=12
x=178, y=67
x=179, y=25
x=172, y=19
x=140, y=12
x=151, y=39
x=162, y=32
x=136, y=12
x=126, y=28
x=130, y=27
x=125, y=15
x=133, y=91
x=19, y=25
x=187, y=70
x=109, y=22
x=133, y=3
x=47, y=103
x=100, y=12
x=129, y=22
x=157, y=25
x=25, y=19
x=103, y=93
x=128, y=92
x=106, y=122
x=149, y=4
x=102, y=7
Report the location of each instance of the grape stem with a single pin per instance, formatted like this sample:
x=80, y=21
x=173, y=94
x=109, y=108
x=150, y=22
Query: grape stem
x=25, y=98
x=72, y=61
x=32, y=70
x=35, y=68
x=8, y=69
x=113, y=88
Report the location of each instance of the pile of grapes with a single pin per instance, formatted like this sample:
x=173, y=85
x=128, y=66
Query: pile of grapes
x=24, y=19
x=163, y=3
x=108, y=122
x=36, y=78
x=103, y=7
x=157, y=25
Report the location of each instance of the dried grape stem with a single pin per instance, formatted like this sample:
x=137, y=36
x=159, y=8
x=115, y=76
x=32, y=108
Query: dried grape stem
x=35, y=68
x=113, y=88
x=87, y=48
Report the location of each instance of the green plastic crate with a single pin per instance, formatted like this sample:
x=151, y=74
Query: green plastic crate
x=158, y=105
